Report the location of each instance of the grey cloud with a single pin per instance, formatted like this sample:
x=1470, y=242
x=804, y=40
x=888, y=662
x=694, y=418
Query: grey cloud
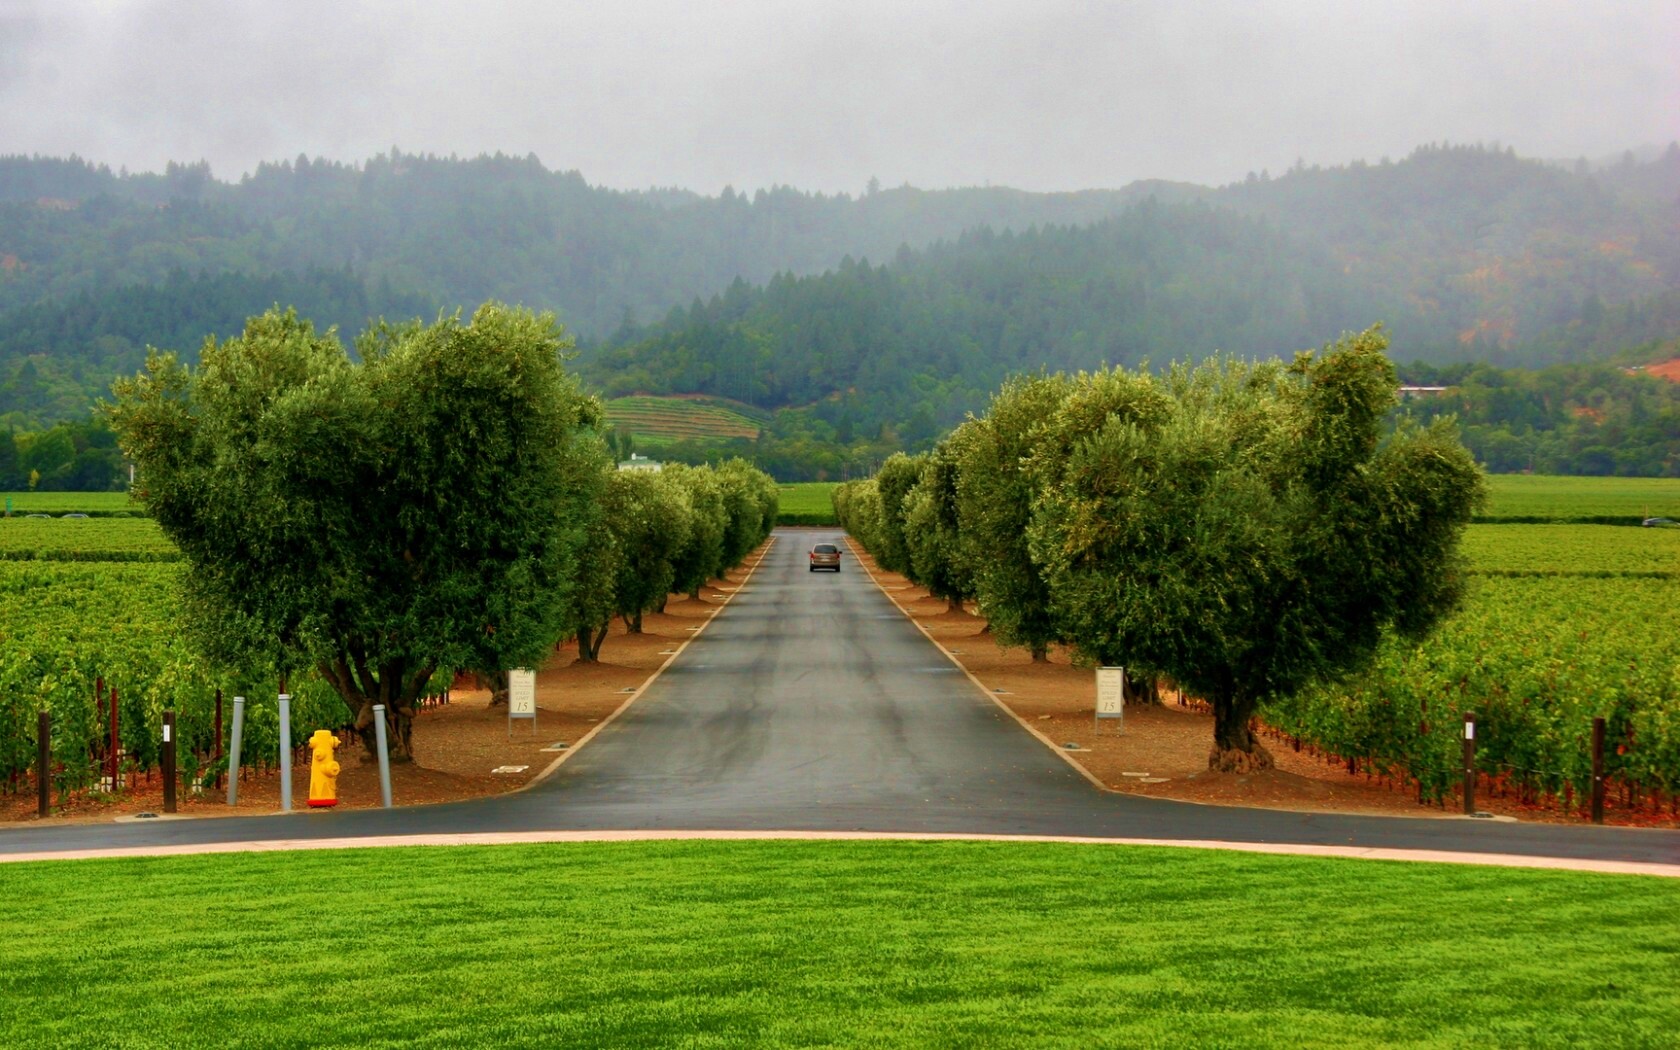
x=1052, y=94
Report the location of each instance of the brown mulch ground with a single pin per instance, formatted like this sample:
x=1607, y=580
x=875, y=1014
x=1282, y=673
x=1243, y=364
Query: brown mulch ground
x=1163, y=751
x=456, y=745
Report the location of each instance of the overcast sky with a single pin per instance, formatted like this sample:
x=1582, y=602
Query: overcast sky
x=1042, y=94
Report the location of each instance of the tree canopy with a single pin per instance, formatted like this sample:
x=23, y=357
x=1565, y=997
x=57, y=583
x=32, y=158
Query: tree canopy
x=375, y=521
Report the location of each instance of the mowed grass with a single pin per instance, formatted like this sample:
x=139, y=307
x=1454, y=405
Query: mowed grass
x=708, y=944
x=1566, y=498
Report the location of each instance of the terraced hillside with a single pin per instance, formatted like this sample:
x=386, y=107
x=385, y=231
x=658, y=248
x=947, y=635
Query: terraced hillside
x=656, y=420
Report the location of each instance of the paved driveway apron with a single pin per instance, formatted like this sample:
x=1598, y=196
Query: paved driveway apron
x=810, y=703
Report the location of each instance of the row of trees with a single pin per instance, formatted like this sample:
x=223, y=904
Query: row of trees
x=444, y=501
x=1243, y=529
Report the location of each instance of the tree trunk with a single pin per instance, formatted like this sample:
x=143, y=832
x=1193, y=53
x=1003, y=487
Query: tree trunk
x=634, y=624
x=1235, y=750
x=1143, y=691
x=1040, y=653
x=362, y=685
x=589, y=643
x=399, y=731
x=498, y=687
x=953, y=605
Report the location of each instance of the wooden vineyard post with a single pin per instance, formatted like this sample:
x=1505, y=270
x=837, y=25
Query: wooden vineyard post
x=112, y=755
x=43, y=767
x=169, y=761
x=1598, y=771
x=1469, y=764
x=216, y=754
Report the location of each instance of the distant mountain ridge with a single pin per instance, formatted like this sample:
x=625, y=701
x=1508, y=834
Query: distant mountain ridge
x=1465, y=251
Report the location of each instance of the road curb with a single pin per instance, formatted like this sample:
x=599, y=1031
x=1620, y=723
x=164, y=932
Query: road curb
x=513, y=838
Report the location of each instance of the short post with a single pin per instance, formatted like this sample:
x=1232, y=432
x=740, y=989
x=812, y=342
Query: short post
x=285, y=752
x=1469, y=764
x=113, y=758
x=1598, y=771
x=43, y=767
x=169, y=761
x=217, y=754
x=384, y=755
x=233, y=749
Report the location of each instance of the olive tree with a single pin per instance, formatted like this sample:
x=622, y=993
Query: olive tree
x=931, y=528
x=1247, y=529
x=651, y=518
x=995, y=495
x=893, y=483
x=376, y=520
x=701, y=558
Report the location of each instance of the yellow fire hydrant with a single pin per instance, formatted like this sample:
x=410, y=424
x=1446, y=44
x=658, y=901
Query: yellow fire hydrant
x=323, y=771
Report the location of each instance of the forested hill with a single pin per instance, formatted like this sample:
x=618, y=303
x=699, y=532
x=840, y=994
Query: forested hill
x=1466, y=252
x=919, y=341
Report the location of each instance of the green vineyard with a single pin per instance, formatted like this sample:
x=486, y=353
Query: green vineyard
x=84, y=539
x=658, y=420
x=1535, y=498
x=74, y=632
x=1562, y=624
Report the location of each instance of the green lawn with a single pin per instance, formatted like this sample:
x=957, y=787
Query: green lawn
x=808, y=503
x=1565, y=498
x=830, y=944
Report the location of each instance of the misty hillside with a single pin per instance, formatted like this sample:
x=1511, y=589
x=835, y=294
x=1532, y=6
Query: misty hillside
x=1464, y=251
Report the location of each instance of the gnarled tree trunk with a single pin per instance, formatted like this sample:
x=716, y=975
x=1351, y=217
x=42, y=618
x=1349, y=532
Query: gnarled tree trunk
x=362, y=686
x=1235, y=749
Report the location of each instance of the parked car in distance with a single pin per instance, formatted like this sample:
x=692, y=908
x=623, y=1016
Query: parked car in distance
x=1656, y=523
x=73, y=515
x=825, y=556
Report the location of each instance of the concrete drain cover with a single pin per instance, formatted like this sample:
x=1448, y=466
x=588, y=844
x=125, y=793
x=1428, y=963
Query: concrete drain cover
x=1075, y=747
x=628, y=689
x=145, y=816
x=1134, y=774
x=667, y=652
x=558, y=745
x=1003, y=692
x=510, y=769
x=1154, y=780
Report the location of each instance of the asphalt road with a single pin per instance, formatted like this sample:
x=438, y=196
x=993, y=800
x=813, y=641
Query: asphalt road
x=810, y=703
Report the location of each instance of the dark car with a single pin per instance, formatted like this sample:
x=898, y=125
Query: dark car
x=825, y=556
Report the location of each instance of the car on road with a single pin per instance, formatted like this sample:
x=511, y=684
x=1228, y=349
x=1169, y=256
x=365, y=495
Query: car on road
x=825, y=556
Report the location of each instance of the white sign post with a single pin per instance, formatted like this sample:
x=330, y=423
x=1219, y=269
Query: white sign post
x=522, y=697
x=1111, y=695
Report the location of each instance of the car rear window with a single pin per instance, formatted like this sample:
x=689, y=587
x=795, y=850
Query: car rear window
x=827, y=548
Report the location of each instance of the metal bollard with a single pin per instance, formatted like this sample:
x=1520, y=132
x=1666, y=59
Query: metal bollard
x=384, y=755
x=285, y=752
x=233, y=749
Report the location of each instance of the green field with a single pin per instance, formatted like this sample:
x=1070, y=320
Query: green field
x=807, y=503
x=657, y=420
x=84, y=539
x=706, y=944
x=1573, y=550
x=56, y=503
x=1538, y=497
